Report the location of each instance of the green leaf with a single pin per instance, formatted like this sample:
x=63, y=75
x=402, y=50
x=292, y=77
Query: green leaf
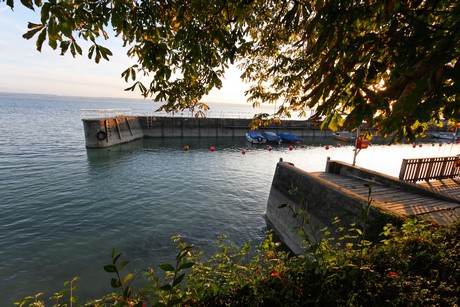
x=105, y=52
x=97, y=58
x=28, y=3
x=52, y=42
x=31, y=33
x=115, y=283
x=187, y=265
x=110, y=268
x=45, y=12
x=64, y=47
x=41, y=38
x=166, y=267
x=166, y=287
x=90, y=55
x=178, y=280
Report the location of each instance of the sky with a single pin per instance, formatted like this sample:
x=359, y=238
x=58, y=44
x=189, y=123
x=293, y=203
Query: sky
x=25, y=70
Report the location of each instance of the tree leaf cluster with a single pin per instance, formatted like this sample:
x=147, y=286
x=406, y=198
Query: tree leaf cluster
x=392, y=64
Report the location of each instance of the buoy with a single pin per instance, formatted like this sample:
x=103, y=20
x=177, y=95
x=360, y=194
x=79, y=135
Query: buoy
x=327, y=147
x=212, y=148
x=186, y=147
x=448, y=143
x=338, y=145
x=269, y=148
x=440, y=144
x=413, y=146
x=243, y=151
x=291, y=148
x=419, y=145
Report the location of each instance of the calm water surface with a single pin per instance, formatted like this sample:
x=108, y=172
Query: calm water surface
x=64, y=207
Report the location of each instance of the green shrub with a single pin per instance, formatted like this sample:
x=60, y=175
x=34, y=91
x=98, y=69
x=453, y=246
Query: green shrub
x=415, y=265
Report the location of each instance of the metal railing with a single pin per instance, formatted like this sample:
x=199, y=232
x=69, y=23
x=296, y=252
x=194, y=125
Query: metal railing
x=105, y=113
x=426, y=169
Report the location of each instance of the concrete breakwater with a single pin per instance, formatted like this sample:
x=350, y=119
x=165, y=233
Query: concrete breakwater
x=103, y=132
x=322, y=201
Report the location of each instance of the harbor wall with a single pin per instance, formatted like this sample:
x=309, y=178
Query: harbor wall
x=157, y=126
x=121, y=129
x=104, y=132
x=322, y=201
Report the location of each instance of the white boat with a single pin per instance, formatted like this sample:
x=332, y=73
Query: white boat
x=255, y=137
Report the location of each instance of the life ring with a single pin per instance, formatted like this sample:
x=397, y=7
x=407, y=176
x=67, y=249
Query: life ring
x=101, y=135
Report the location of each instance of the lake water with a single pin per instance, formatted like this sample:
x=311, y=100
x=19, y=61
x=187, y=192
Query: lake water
x=64, y=207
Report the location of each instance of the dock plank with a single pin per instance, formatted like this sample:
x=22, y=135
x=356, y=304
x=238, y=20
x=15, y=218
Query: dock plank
x=404, y=203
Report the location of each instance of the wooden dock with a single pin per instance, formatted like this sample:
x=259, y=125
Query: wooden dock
x=398, y=201
x=450, y=187
x=342, y=191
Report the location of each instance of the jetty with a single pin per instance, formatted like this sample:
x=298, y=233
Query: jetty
x=105, y=128
x=347, y=192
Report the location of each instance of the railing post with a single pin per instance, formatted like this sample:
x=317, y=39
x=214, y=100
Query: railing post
x=402, y=172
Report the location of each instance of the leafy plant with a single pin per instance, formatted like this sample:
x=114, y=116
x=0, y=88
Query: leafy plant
x=36, y=301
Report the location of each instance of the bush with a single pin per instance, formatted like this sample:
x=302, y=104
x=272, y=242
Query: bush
x=416, y=265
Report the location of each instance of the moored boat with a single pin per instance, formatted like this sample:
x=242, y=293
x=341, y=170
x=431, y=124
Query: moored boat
x=344, y=136
x=255, y=137
x=445, y=136
x=289, y=137
x=271, y=137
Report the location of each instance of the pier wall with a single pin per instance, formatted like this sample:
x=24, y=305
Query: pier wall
x=322, y=200
x=123, y=129
x=157, y=126
x=104, y=132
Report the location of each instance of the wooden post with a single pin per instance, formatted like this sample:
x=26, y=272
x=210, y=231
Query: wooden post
x=402, y=171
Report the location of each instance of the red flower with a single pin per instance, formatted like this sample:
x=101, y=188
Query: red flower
x=393, y=274
x=275, y=273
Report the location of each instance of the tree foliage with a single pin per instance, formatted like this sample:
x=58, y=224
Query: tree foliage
x=391, y=63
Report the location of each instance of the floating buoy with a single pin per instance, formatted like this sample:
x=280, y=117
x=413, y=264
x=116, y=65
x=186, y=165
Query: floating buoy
x=440, y=144
x=338, y=145
x=291, y=147
x=243, y=151
x=186, y=147
x=212, y=148
x=448, y=143
x=327, y=147
x=419, y=145
x=269, y=148
x=413, y=146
